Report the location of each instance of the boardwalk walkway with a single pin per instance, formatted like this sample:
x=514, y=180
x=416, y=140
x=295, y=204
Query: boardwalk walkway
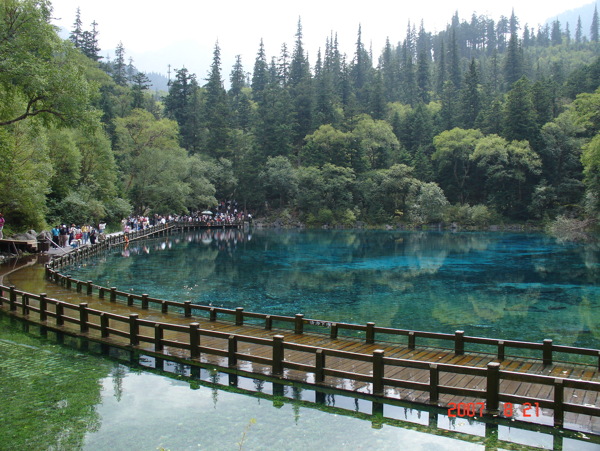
x=377, y=362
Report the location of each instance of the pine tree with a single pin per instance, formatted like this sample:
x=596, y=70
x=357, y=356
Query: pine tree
x=556, y=33
x=301, y=92
x=140, y=84
x=183, y=105
x=518, y=119
x=470, y=98
x=513, y=62
x=260, y=75
x=76, y=36
x=216, y=110
x=578, y=32
x=594, y=27
x=89, y=43
x=119, y=67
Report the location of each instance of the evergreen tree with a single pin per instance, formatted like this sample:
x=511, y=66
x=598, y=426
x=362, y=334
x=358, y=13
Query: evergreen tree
x=89, y=43
x=360, y=70
x=119, y=66
x=578, y=32
x=183, y=105
x=513, y=61
x=216, y=109
x=301, y=91
x=518, y=119
x=76, y=36
x=556, y=33
x=140, y=84
x=594, y=28
x=260, y=75
x=470, y=98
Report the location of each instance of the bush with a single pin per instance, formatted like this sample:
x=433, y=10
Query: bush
x=571, y=229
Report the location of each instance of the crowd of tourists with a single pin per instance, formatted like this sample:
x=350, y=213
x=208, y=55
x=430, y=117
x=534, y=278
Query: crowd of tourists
x=74, y=235
x=225, y=213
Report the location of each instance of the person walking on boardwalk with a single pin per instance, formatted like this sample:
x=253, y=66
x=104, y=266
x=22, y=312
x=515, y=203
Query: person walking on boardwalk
x=1, y=226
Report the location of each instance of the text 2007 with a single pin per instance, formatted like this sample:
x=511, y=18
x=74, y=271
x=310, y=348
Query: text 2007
x=470, y=409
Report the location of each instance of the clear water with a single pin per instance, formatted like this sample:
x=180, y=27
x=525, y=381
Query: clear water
x=55, y=397
x=501, y=285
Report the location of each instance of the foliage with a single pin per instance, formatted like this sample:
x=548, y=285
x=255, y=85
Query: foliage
x=485, y=113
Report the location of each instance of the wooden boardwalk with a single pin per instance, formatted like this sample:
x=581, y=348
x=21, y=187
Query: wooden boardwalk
x=459, y=377
x=380, y=363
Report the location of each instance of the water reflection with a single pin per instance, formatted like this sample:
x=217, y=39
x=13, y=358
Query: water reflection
x=56, y=397
x=522, y=286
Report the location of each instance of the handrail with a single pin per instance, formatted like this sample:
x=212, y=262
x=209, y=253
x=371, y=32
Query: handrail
x=80, y=316
x=296, y=323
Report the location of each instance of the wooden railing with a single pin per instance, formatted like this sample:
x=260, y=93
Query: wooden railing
x=546, y=350
x=84, y=321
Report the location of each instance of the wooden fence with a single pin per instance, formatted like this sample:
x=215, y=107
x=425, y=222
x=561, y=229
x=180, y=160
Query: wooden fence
x=84, y=321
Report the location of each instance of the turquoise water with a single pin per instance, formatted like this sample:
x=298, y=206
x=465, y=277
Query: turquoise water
x=501, y=285
x=57, y=397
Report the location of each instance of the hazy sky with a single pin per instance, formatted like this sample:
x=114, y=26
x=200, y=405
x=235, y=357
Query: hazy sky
x=184, y=32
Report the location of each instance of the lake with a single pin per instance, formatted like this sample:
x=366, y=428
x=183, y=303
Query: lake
x=500, y=285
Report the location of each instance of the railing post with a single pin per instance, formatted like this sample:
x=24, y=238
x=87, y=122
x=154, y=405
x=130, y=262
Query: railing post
x=129, y=300
x=60, y=309
x=158, y=337
x=69, y=281
x=25, y=304
x=232, y=350
x=144, y=301
x=239, y=316
x=299, y=324
x=89, y=287
x=559, y=397
x=278, y=355
x=459, y=342
x=378, y=372
x=78, y=286
x=101, y=292
x=547, y=352
x=187, y=308
x=194, y=340
x=43, y=307
x=164, y=307
x=134, y=329
x=104, y=325
x=434, y=383
x=492, y=388
x=212, y=314
x=411, y=340
x=370, y=335
x=501, y=350
x=319, y=366
x=83, y=317
x=333, y=334
x=113, y=294
x=12, y=298
x=268, y=322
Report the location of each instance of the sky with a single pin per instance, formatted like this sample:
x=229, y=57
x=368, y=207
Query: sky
x=184, y=32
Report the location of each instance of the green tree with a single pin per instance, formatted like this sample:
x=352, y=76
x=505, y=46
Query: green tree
x=518, y=119
x=510, y=173
x=280, y=180
x=217, y=111
x=183, y=104
x=455, y=169
x=40, y=74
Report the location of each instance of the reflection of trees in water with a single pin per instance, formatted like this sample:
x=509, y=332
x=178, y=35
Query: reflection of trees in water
x=48, y=393
x=425, y=280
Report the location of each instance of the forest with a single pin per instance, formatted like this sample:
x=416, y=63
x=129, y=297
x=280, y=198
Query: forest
x=486, y=122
